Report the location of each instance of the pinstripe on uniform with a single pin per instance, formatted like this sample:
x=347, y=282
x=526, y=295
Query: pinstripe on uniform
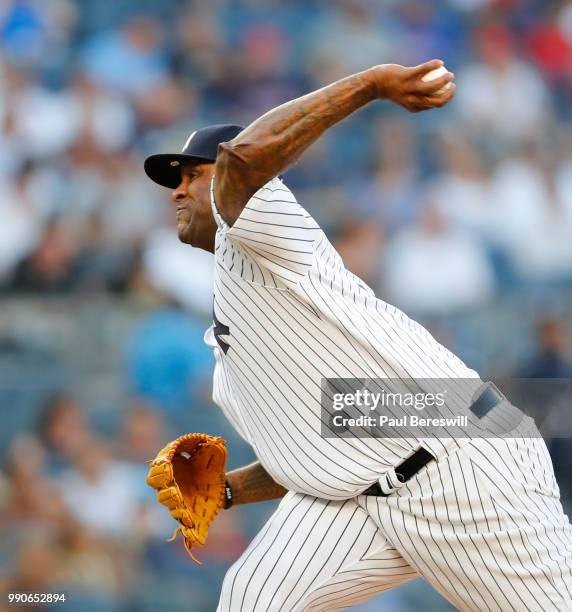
x=288, y=314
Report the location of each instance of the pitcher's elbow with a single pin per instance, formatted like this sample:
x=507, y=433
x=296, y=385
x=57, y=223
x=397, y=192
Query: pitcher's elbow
x=232, y=155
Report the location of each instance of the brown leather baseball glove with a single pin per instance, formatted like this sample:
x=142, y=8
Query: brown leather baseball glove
x=189, y=475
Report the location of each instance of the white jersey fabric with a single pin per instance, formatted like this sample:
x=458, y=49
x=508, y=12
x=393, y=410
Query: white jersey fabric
x=287, y=313
x=484, y=526
x=482, y=523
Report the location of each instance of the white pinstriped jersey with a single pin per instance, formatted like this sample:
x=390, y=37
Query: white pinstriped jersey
x=484, y=526
x=287, y=313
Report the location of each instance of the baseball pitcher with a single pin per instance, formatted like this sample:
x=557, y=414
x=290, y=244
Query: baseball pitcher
x=478, y=517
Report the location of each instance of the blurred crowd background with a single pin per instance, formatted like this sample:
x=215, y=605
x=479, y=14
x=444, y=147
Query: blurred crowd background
x=463, y=217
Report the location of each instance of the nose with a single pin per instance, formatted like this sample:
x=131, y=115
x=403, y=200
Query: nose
x=180, y=193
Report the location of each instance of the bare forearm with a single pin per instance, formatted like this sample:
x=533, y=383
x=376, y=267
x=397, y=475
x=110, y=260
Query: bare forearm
x=251, y=484
x=274, y=142
x=277, y=139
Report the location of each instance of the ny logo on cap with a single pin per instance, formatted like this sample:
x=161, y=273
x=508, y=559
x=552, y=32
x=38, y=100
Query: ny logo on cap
x=178, y=163
x=189, y=141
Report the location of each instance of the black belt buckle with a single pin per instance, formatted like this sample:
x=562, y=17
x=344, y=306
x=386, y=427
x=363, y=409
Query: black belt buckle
x=404, y=471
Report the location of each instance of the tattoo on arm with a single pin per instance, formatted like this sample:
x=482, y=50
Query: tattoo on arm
x=252, y=484
x=276, y=140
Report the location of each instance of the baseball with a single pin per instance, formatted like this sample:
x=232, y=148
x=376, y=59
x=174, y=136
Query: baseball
x=435, y=74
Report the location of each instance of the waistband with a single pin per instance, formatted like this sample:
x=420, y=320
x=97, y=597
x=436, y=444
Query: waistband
x=488, y=398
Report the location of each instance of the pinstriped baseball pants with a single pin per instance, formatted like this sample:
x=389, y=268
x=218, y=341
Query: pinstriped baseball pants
x=484, y=526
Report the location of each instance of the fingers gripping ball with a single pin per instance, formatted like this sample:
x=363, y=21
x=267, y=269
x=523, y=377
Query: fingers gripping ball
x=435, y=74
x=189, y=476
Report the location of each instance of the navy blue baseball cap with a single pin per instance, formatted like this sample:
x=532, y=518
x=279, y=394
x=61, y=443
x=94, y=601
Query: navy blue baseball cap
x=201, y=146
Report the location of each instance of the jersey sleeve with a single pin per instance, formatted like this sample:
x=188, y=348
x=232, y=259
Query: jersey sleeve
x=274, y=232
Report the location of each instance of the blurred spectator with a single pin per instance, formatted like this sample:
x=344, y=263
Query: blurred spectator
x=348, y=37
x=64, y=430
x=425, y=28
x=491, y=90
x=530, y=220
x=89, y=572
x=471, y=5
x=45, y=120
x=130, y=208
x=23, y=30
x=360, y=245
x=162, y=106
x=434, y=269
x=32, y=497
x=167, y=361
x=553, y=358
x=462, y=187
x=105, y=116
x=102, y=265
x=201, y=45
x=563, y=176
x=392, y=193
x=99, y=491
x=94, y=571
x=263, y=82
x=11, y=147
x=130, y=59
x=142, y=434
x=38, y=565
x=227, y=542
x=33, y=35
x=181, y=272
x=21, y=224
x=52, y=267
x=549, y=47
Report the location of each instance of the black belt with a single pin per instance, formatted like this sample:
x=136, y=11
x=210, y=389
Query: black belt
x=485, y=402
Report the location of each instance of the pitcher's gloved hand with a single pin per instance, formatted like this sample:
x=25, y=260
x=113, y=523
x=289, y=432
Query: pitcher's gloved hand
x=189, y=475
